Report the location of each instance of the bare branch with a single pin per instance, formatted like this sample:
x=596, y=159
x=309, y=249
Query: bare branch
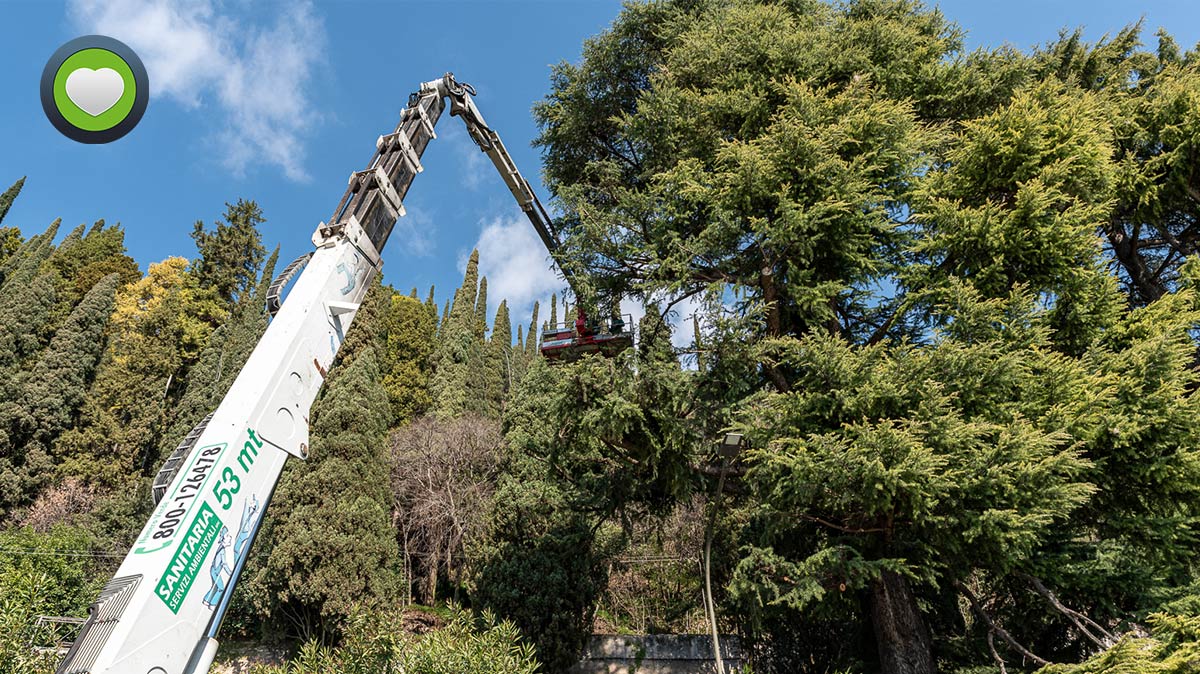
x=1074, y=616
x=993, y=627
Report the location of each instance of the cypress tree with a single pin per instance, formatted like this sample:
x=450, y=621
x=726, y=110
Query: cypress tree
x=441, y=329
x=81, y=260
x=50, y=395
x=10, y=243
x=24, y=312
x=23, y=264
x=9, y=196
x=406, y=360
x=531, y=337
x=464, y=300
x=458, y=357
x=553, y=310
x=499, y=374
x=432, y=308
x=223, y=356
x=150, y=347
x=331, y=548
x=480, y=323
x=58, y=381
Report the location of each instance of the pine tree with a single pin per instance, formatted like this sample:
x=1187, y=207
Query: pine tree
x=9, y=196
x=232, y=254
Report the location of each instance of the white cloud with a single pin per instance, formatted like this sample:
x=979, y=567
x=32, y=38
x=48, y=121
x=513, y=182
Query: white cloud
x=205, y=57
x=475, y=167
x=683, y=330
x=517, y=266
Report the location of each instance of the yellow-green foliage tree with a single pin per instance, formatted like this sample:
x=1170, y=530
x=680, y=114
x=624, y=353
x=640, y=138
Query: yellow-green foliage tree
x=411, y=331
x=158, y=328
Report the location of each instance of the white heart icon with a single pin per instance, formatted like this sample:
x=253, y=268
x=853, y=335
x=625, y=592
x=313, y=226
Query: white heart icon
x=95, y=91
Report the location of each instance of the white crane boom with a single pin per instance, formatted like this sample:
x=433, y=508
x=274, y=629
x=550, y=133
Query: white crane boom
x=161, y=611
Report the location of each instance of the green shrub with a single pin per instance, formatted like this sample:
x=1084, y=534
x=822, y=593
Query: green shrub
x=1172, y=648
x=23, y=595
x=375, y=644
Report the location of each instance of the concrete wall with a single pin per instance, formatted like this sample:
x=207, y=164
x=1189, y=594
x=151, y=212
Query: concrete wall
x=657, y=654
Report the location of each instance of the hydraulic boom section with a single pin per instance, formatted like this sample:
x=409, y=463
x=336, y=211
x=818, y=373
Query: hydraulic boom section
x=570, y=339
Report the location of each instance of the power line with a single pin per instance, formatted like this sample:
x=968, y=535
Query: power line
x=33, y=552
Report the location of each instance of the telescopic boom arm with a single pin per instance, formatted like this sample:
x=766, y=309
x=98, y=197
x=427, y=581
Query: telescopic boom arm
x=161, y=611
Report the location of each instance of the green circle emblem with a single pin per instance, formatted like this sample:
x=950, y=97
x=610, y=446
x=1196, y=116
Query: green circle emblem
x=94, y=89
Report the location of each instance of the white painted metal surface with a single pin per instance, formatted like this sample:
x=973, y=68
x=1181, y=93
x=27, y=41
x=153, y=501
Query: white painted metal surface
x=188, y=549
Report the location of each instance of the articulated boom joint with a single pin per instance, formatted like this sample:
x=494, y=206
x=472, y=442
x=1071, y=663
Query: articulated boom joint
x=328, y=235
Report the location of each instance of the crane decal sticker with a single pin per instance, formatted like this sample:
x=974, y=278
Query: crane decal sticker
x=219, y=568
x=175, y=507
x=185, y=565
x=350, y=282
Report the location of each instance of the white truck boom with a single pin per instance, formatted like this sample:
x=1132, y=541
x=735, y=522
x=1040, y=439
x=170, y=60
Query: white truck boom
x=161, y=611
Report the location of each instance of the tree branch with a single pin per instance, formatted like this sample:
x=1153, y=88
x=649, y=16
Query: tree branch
x=1074, y=616
x=995, y=628
x=840, y=527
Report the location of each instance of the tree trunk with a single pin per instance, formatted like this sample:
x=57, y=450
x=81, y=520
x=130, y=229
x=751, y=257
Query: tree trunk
x=900, y=632
x=431, y=588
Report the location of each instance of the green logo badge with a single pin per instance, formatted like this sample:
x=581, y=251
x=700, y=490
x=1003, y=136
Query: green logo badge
x=188, y=559
x=94, y=89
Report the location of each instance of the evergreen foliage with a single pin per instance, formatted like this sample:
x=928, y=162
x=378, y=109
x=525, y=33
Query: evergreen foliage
x=332, y=550
x=897, y=248
x=467, y=644
x=10, y=242
x=458, y=356
x=948, y=298
x=159, y=327
x=232, y=253
x=406, y=362
x=9, y=196
x=224, y=353
x=27, y=300
x=498, y=370
x=46, y=398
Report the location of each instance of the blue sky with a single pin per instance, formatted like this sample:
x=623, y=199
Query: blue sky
x=280, y=102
